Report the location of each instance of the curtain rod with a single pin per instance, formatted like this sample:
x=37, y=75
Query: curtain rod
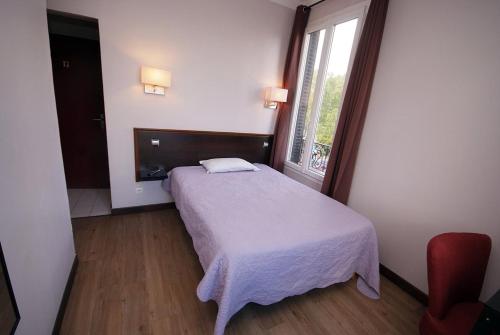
x=316, y=3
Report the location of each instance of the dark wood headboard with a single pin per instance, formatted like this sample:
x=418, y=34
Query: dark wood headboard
x=157, y=151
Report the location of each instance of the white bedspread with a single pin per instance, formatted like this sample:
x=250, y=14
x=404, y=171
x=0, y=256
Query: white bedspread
x=261, y=237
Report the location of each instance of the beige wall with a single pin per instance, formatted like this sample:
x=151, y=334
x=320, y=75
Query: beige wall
x=429, y=160
x=222, y=54
x=35, y=228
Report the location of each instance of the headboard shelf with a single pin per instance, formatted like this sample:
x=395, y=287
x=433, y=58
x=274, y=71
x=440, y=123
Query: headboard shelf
x=157, y=151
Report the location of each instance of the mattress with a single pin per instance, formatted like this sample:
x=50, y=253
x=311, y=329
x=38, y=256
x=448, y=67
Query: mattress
x=261, y=237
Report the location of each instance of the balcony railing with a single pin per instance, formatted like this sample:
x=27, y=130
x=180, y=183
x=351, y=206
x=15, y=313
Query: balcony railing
x=319, y=157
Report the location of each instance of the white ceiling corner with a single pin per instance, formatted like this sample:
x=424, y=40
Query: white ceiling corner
x=293, y=3
x=288, y=3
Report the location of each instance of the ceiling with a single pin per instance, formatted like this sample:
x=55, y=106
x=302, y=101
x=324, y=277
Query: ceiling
x=292, y=3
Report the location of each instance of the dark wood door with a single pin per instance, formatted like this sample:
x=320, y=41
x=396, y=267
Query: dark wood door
x=76, y=65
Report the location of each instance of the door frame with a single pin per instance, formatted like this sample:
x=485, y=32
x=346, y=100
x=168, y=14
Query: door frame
x=76, y=19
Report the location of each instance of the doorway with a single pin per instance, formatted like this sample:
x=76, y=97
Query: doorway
x=76, y=68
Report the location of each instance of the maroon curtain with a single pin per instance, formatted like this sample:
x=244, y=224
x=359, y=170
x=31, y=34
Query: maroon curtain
x=340, y=169
x=290, y=78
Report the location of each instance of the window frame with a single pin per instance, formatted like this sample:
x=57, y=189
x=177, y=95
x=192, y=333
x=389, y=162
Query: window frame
x=328, y=23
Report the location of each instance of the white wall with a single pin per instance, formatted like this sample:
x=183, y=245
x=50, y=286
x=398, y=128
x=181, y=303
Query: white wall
x=222, y=55
x=292, y=4
x=35, y=228
x=314, y=183
x=429, y=160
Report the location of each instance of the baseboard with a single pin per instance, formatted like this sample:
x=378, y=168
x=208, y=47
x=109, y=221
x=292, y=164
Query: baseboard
x=65, y=298
x=140, y=209
x=404, y=285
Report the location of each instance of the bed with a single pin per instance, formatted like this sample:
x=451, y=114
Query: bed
x=261, y=237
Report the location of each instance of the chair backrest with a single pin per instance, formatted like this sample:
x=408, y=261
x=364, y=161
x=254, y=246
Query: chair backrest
x=456, y=264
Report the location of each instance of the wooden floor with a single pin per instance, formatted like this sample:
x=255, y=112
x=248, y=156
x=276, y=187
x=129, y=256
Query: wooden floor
x=138, y=274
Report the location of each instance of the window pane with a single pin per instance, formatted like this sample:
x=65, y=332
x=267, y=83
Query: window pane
x=314, y=49
x=338, y=63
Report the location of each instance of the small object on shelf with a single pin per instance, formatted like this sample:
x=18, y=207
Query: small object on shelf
x=489, y=320
x=494, y=302
x=153, y=173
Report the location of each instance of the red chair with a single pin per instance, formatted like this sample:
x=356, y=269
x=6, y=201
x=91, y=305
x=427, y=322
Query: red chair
x=456, y=264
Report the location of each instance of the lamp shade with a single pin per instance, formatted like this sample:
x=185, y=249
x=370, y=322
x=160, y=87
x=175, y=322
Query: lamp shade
x=276, y=94
x=156, y=77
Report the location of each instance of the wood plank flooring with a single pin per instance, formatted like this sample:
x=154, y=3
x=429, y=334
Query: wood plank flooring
x=138, y=274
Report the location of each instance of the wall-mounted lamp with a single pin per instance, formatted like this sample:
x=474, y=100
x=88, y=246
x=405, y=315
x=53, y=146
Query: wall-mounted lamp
x=155, y=80
x=273, y=96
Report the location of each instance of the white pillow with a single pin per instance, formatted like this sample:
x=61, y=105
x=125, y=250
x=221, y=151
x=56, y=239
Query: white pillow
x=217, y=165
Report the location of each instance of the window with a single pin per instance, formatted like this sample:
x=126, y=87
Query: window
x=326, y=58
